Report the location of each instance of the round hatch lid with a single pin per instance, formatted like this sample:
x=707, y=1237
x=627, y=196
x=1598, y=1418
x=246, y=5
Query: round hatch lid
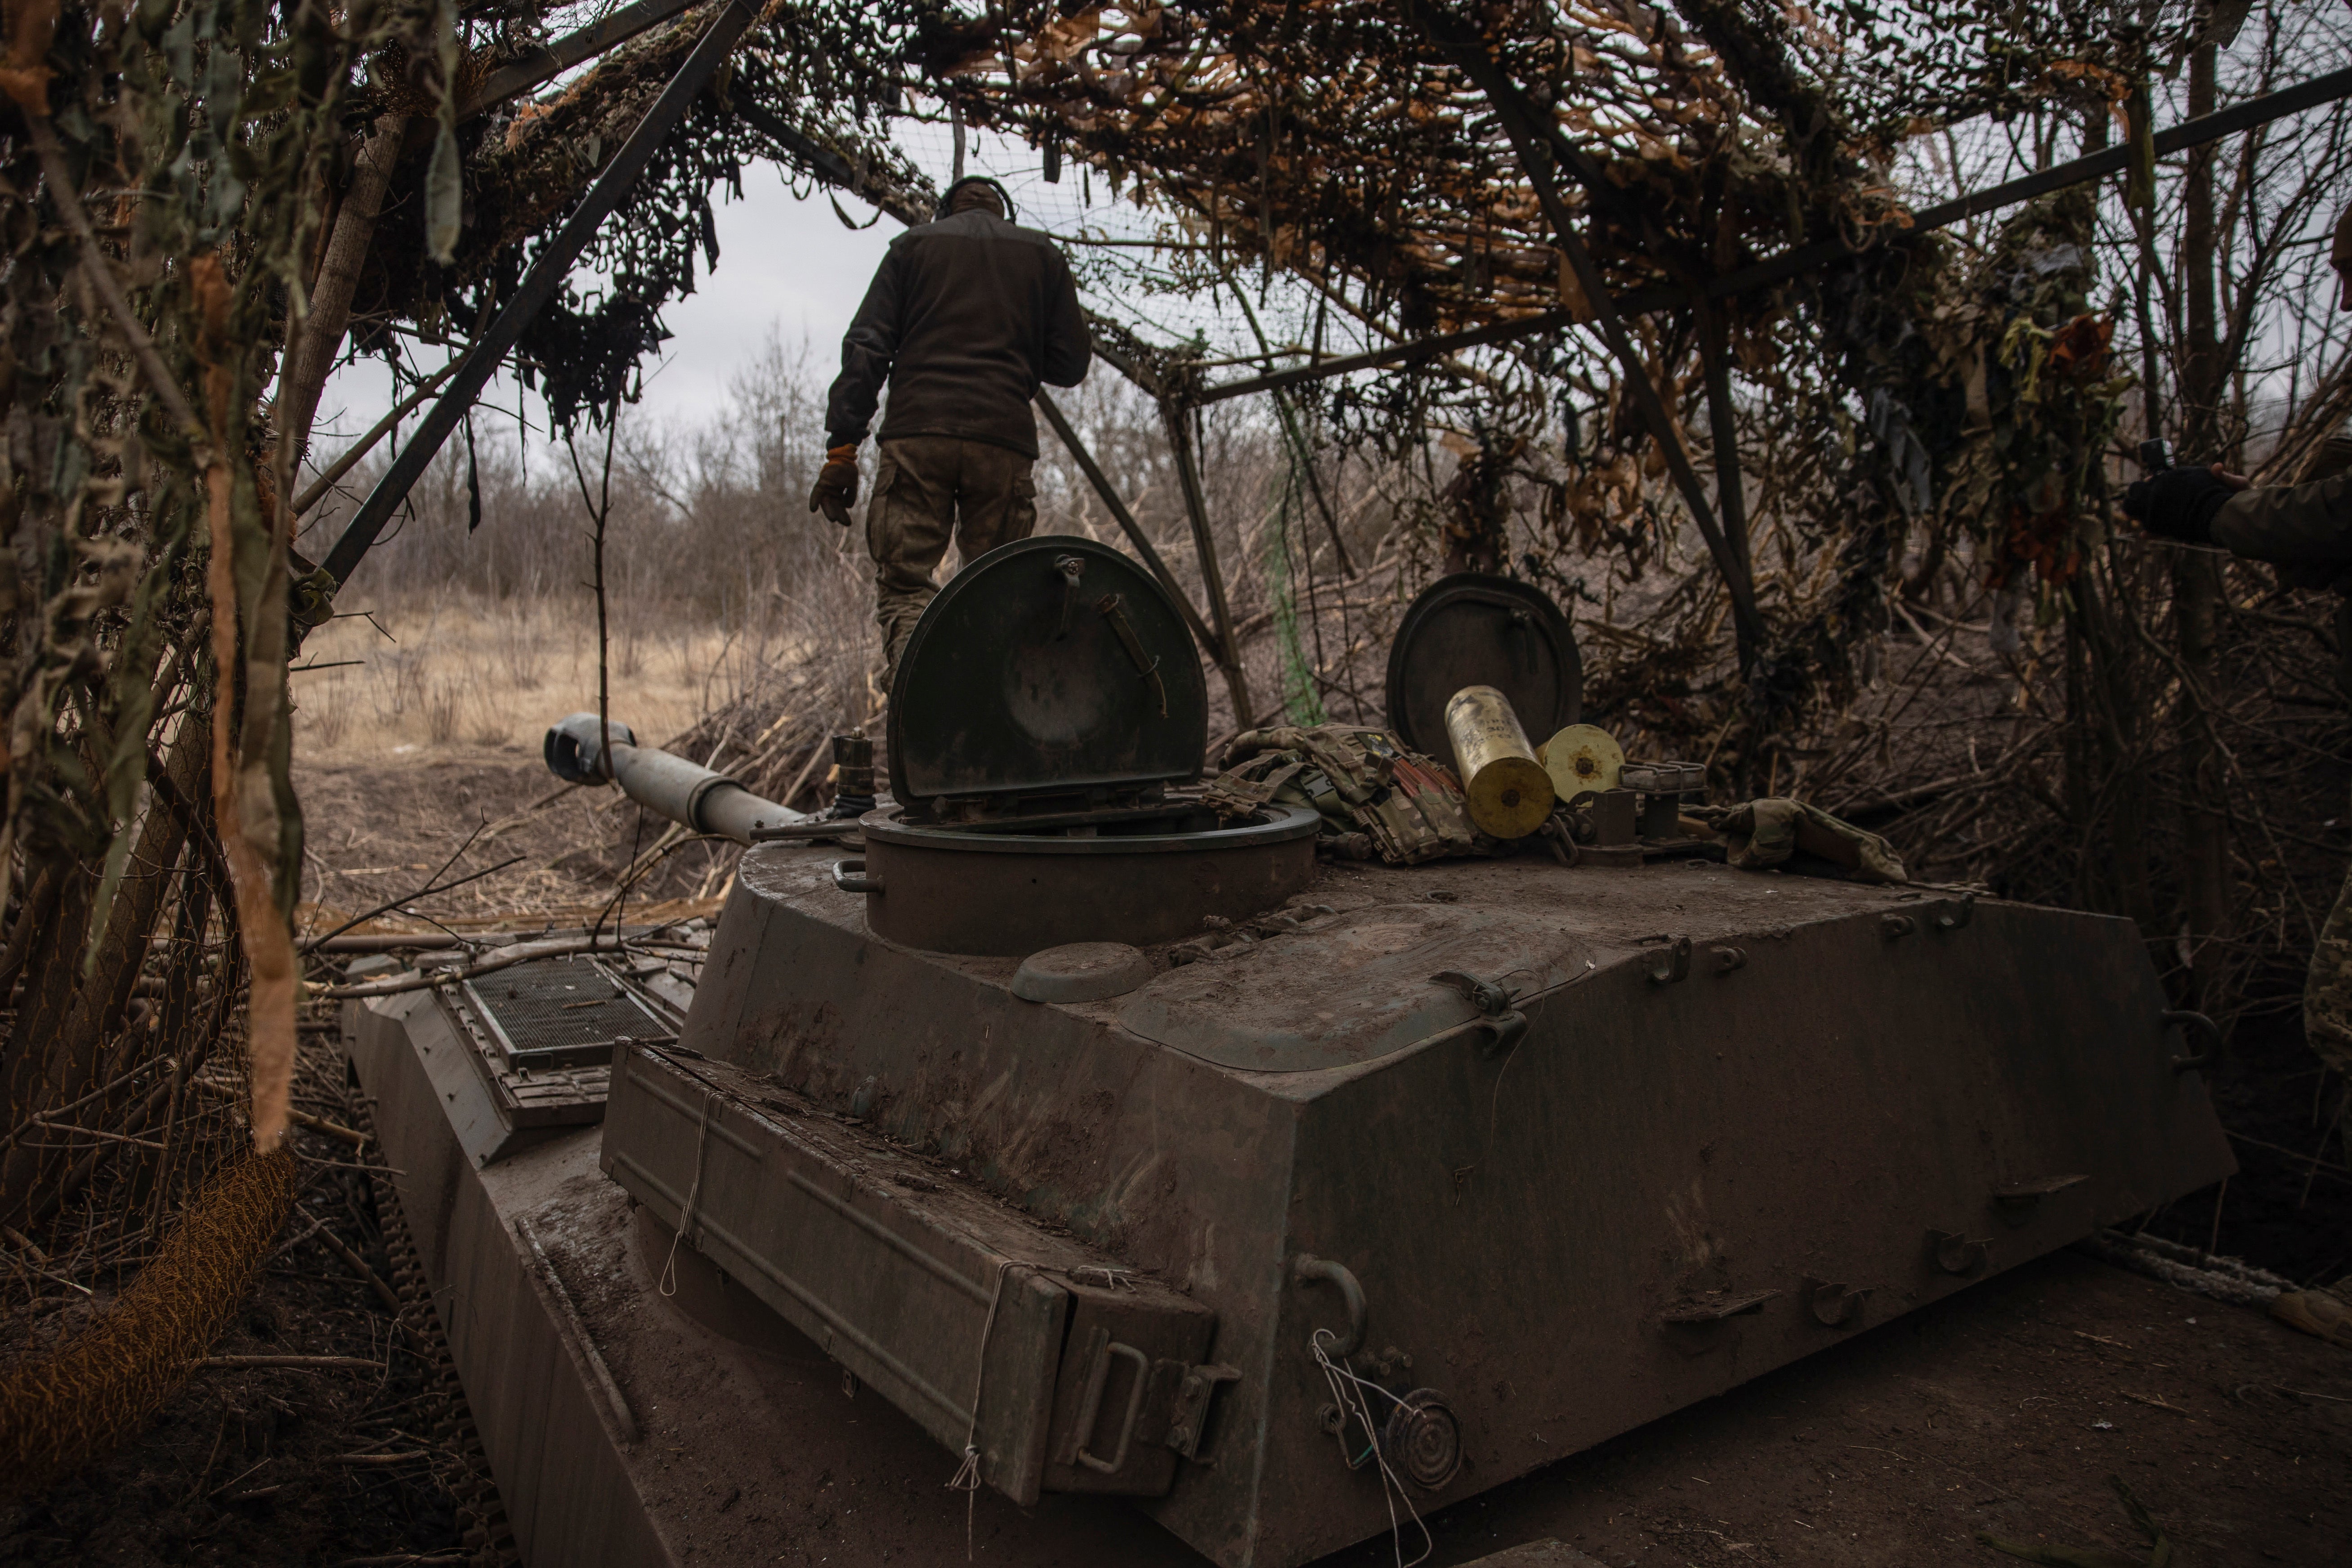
x=1050, y=667
x=1473, y=629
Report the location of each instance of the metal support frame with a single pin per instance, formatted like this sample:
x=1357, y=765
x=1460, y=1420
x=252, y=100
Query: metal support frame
x=1395, y=353
x=1301, y=456
x=833, y=168
x=1175, y=415
x=1536, y=155
x=548, y=270
x=2246, y=116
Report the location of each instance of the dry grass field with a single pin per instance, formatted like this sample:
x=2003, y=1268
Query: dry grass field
x=424, y=676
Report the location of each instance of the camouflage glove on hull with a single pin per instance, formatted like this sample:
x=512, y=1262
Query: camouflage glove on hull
x=1356, y=778
x=1788, y=834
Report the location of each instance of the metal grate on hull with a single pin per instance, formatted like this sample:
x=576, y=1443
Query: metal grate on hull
x=561, y=1013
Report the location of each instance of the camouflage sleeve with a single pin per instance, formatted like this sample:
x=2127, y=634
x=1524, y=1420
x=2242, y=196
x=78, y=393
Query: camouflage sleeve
x=2290, y=524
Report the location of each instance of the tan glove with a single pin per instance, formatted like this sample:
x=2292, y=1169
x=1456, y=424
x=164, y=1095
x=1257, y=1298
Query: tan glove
x=835, y=491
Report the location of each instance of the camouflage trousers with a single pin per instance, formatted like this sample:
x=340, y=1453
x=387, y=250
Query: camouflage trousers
x=931, y=489
x=2327, y=991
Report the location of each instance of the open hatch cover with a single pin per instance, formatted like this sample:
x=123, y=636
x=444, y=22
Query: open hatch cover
x=1473, y=629
x=1051, y=673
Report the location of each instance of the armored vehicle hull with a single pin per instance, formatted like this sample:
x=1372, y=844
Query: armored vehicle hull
x=1434, y=1177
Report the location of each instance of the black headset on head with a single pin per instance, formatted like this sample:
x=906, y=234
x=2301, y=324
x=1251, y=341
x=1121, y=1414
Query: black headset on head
x=948, y=196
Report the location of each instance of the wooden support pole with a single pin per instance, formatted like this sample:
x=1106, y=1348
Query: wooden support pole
x=1178, y=420
x=2196, y=585
x=320, y=341
x=1723, y=431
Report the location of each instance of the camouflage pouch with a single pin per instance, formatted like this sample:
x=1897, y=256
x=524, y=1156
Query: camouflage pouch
x=1788, y=834
x=1260, y=781
x=1420, y=817
x=1357, y=777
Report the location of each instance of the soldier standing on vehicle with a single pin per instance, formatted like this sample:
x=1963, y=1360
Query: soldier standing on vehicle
x=964, y=318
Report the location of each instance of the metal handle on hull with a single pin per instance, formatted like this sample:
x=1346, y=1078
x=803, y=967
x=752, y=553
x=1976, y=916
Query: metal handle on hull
x=1092, y=1405
x=1503, y=1024
x=1308, y=1268
x=850, y=877
x=2195, y=1022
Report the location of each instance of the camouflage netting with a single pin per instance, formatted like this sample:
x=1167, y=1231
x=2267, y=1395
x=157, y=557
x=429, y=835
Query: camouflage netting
x=160, y=163
x=1960, y=644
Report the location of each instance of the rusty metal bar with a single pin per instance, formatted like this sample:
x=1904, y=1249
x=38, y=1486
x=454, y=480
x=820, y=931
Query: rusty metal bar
x=543, y=65
x=1535, y=157
x=1395, y=353
x=546, y=273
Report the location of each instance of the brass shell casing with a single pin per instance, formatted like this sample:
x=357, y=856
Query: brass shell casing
x=1581, y=760
x=1510, y=794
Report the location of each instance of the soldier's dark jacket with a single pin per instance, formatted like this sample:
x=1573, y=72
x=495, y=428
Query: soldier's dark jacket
x=965, y=317
x=2306, y=528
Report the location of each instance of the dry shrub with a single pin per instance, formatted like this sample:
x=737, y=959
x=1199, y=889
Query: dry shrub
x=517, y=648
x=328, y=713
x=444, y=699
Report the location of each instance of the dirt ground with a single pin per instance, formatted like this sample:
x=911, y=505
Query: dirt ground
x=418, y=722
x=376, y=833
x=2004, y=1410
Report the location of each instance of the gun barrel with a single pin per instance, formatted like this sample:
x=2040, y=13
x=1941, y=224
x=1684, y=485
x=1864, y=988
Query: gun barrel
x=686, y=793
